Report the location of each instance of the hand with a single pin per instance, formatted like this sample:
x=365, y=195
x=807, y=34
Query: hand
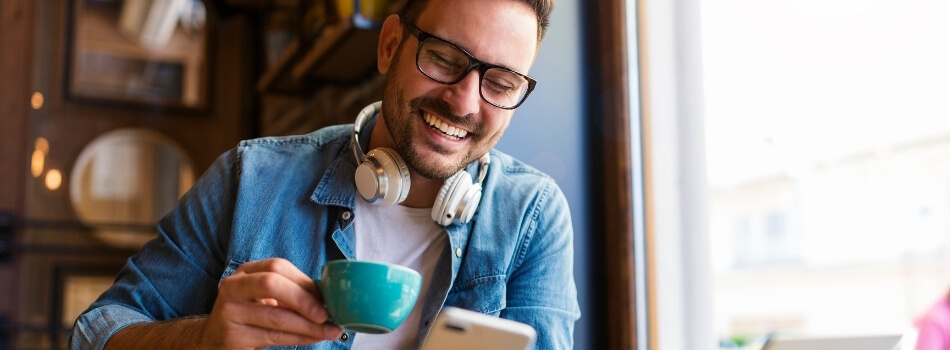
x=267, y=302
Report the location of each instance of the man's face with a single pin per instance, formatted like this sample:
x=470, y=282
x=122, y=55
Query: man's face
x=417, y=111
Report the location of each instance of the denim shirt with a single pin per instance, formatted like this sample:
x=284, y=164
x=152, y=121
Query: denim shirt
x=293, y=197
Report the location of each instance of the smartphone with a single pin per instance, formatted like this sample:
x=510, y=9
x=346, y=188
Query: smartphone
x=460, y=329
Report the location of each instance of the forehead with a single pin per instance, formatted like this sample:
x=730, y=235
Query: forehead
x=502, y=32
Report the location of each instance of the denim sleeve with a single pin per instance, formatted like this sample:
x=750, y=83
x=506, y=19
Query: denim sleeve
x=95, y=327
x=541, y=290
x=177, y=273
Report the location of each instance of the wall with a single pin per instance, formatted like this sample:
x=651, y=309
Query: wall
x=547, y=132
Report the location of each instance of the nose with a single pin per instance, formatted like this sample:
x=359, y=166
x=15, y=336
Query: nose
x=464, y=95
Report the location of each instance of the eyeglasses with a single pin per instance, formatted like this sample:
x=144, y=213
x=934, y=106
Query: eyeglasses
x=446, y=63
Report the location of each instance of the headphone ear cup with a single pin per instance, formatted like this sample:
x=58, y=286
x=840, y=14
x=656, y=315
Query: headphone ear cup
x=469, y=203
x=440, y=208
x=383, y=177
x=457, y=200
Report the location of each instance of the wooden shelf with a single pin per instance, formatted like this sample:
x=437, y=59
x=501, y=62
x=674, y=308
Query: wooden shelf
x=342, y=53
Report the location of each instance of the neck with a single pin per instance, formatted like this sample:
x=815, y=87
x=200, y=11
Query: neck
x=422, y=191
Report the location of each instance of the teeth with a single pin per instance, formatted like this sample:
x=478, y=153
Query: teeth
x=446, y=129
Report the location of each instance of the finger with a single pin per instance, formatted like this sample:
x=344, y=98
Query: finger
x=275, y=289
x=282, y=323
x=282, y=267
x=269, y=301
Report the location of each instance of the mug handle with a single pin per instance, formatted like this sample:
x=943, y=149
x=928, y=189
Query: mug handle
x=320, y=289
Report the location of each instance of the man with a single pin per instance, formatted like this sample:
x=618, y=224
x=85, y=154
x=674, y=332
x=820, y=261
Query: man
x=234, y=262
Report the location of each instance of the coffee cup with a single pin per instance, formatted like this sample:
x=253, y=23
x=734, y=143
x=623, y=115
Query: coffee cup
x=368, y=296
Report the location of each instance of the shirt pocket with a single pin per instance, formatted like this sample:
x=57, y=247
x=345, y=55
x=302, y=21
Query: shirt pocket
x=483, y=294
x=230, y=269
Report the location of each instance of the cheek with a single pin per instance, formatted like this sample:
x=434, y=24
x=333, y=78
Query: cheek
x=496, y=129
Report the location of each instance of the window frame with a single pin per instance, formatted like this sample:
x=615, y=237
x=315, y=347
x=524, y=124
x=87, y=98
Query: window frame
x=617, y=182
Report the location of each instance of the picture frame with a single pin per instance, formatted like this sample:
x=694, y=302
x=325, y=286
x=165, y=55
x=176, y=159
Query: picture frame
x=75, y=288
x=138, y=52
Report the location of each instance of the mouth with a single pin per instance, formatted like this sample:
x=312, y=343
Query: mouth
x=448, y=131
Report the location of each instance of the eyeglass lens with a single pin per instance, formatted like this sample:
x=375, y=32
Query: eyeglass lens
x=444, y=62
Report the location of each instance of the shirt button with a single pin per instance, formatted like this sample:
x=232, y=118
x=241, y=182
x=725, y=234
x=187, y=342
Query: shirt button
x=458, y=252
x=344, y=337
x=346, y=215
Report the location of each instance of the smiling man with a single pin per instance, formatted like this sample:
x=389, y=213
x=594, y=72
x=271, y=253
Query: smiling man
x=233, y=265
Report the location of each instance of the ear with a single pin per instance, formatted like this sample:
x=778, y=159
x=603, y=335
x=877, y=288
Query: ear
x=389, y=37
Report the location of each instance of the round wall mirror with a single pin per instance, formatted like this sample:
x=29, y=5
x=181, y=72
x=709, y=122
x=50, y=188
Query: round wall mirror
x=124, y=181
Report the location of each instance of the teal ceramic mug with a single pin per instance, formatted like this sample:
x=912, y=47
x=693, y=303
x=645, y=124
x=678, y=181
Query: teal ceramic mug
x=368, y=296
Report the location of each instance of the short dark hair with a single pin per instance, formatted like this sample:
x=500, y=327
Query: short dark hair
x=542, y=8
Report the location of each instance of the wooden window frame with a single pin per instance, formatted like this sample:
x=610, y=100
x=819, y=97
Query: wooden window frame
x=613, y=205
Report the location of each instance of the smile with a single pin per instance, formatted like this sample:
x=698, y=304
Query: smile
x=449, y=131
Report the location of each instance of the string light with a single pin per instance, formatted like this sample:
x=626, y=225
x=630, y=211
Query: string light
x=53, y=179
x=37, y=100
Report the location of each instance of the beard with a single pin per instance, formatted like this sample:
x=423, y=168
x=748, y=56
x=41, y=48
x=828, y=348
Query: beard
x=400, y=118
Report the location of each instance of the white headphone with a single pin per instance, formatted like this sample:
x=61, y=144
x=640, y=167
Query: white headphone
x=383, y=176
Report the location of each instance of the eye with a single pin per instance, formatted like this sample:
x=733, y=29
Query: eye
x=444, y=58
x=440, y=59
x=499, y=81
x=497, y=86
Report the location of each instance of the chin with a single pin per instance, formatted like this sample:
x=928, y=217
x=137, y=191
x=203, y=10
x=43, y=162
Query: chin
x=426, y=166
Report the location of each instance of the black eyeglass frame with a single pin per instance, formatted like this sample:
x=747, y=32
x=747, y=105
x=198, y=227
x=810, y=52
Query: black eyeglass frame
x=474, y=63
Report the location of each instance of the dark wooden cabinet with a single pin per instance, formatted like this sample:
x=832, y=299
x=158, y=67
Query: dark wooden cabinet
x=341, y=54
x=317, y=66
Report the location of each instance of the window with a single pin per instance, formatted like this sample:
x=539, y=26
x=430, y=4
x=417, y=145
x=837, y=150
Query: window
x=828, y=160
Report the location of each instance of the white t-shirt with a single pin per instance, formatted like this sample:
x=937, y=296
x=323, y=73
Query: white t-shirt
x=404, y=236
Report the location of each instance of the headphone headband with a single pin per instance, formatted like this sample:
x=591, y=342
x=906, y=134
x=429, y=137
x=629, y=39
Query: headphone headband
x=365, y=114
